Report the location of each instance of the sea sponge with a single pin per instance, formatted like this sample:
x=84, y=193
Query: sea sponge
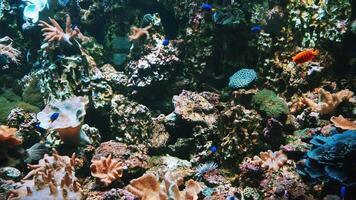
x=329, y=102
x=52, y=178
x=106, y=170
x=343, y=123
x=271, y=161
x=148, y=187
x=69, y=122
x=242, y=78
x=269, y=103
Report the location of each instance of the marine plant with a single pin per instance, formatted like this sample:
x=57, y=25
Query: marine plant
x=269, y=103
x=242, y=78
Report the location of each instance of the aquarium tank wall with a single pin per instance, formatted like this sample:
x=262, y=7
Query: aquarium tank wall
x=177, y=100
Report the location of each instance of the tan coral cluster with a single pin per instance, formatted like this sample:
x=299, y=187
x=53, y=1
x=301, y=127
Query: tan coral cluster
x=329, y=101
x=271, y=161
x=52, y=178
x=341, y=122
x=137, y=33
x=106, y=170
x=148, y=187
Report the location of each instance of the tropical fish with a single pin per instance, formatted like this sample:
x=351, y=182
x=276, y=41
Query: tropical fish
x=256, y=29
x=54, y=117
x=35, y=152
x=213, y=149
x=206, y=7
x=165, y=42
x=343, y=192
x=305, y=56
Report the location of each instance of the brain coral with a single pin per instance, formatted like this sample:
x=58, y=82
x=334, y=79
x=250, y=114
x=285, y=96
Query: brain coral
x=242, y=78
x=268, y=102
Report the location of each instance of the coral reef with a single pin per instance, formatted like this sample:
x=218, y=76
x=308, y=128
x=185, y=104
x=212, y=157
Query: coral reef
x=52, y=177
x=148, y=187
x=269, y=103
x=329, y=101
x=106, y=170
x=70, y=118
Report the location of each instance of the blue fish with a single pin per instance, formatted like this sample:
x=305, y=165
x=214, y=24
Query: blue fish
x=343, y=192
x=256, y=29
x=206, y=7
x=39, y=128
x=213, y=149
x=54, y=117
x=165, y=42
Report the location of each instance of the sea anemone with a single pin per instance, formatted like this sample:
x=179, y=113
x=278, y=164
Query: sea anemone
x=205, y=168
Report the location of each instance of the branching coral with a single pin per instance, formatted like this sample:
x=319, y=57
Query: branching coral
x=343, y=123
x=54, y=32
x=272, y=161
x=148, y=187
x=329, y=101
x=71, y=114
x=9, y=51
x=137, y=33
x=106, y=170
x=52, y=178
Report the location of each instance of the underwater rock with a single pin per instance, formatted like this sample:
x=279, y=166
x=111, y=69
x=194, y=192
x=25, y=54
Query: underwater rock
x=70, y=116
x=117, y=80
x=52, y=177
x=131, y=122
x=25, y=122
x=134, y=158
x=161, y=164
x=155, y=67
x=115, y=193
x=196, y=108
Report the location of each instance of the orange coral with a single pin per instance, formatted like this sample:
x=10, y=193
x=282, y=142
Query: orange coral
x=272, y=161
x=329, y=101
x=343, y=123
x=8, y=136
x=136, y=33
x=54, y=32
x=52, y=178
x=148, y=187
x=106, y=170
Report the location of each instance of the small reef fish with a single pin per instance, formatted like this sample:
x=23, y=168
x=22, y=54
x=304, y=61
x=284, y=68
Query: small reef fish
x=256, y=29
x=54, y=117
x=207, y=7
x=343, y=192
x=305, y=56
x=213, y=149
x=35, y=152
x=165, y=42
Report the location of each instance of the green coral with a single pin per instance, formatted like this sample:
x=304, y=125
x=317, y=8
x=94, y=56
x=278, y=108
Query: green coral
x=268, y=102
x=9, y=100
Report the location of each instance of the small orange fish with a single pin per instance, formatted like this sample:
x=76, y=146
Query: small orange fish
x=305, y=56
